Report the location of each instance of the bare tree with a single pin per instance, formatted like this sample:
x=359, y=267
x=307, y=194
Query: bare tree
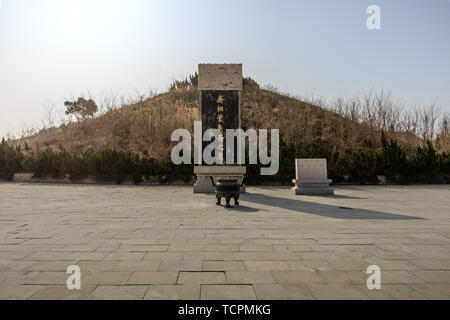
x=48, y=121
x=428, y=121
x=444, y=129
x=109, y=100
x=27, y=129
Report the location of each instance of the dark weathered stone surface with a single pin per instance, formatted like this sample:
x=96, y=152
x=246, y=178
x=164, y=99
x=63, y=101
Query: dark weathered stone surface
x=228, y=111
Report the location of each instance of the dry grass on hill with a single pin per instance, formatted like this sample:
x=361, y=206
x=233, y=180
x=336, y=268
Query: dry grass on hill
x=144, y=126
x=148, y=125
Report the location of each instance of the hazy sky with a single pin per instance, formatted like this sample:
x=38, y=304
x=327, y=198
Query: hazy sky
x=53, y=49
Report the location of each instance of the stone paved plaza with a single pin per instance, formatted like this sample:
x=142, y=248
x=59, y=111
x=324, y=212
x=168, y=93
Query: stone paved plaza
x=164, y=242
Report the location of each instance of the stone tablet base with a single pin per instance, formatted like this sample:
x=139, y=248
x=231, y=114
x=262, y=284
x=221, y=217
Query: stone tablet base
x=312, y=188
x=204, y=174
x=23, y=177
x=313, y=191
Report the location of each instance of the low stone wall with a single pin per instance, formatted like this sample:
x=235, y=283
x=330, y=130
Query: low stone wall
x=23, y=177
x=154, y=180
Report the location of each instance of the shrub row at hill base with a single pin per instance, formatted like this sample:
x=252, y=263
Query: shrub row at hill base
x=395, y=164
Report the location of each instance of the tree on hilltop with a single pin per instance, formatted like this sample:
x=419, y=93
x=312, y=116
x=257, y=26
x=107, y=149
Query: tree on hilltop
x=81, y=108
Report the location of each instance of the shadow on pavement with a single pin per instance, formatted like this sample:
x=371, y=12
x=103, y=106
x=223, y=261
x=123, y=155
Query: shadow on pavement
x=245, y=209
x=340, y=196
x=324, y=210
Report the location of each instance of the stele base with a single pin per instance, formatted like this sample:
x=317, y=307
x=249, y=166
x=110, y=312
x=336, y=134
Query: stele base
x=204, y=174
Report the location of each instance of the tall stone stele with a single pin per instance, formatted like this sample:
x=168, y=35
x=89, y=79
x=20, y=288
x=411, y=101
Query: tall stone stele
x=220, y=87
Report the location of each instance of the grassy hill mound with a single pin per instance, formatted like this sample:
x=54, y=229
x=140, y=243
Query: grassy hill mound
x=135, y=140
x=146, y=126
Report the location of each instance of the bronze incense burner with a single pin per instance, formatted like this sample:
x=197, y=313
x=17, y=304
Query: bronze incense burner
x=227, y=188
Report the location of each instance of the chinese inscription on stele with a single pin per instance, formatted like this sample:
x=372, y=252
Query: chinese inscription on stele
x=220, y=110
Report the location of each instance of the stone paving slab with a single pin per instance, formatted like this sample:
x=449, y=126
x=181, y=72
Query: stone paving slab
x=173, y=292
x=164, y=242
x=228, y=292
